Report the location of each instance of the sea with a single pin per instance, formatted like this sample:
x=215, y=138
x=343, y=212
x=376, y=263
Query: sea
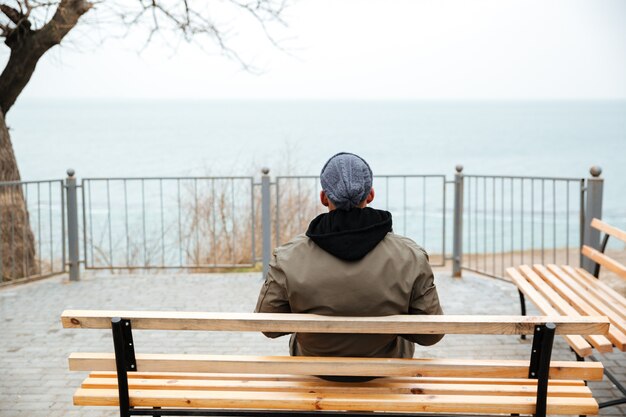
x=145, y=138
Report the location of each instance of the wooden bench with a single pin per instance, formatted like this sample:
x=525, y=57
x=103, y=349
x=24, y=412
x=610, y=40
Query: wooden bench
x=192, y=384
x=574, y=292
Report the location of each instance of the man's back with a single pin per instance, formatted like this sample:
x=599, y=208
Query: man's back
x=350, y=264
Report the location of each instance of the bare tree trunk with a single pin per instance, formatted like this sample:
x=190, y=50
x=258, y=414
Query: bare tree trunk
x=17, y=243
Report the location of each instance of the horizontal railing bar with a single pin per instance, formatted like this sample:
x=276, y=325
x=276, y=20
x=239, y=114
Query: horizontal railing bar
x=30, y=278
x=164, y=178
x=207, y=266
x=508, y=177
x=310, y=323
x=375, y=176
x=12, y=183
x=287, y=177
x=411, y=176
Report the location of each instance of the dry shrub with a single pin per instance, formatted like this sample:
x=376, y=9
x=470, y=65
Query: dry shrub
x=228, y=231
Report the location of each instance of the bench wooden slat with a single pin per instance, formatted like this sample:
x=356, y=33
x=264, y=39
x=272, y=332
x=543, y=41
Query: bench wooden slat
x=347, y=402
x=335, y=366
x=583, y=301
x=608, y=229
x=306, y=378
x=268, y=322
x=593, y=288
x=601, y=343
x=595, y=304
x=578, y=343
x=320, y=386
x=601, y=285
x=607, y=262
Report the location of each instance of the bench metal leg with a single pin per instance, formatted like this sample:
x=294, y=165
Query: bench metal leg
x=124, y=360
x=612, y=403
x=522, y=302
x=539, y=369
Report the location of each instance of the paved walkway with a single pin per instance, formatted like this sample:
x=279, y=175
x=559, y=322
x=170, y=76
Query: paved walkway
x=35, y=381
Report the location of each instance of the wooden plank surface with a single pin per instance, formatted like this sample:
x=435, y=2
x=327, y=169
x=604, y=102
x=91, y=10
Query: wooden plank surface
x=562, y=306
x=278, y=377
x=593, y=288
x=308, y=323
x=593, y=306
x=578, y=343
x=320, y=386
x=608, y=229
x=477, y=368
x=607, y=262
x=599, y=284
x=308, y=378
x=337, y=402
x=584, y=302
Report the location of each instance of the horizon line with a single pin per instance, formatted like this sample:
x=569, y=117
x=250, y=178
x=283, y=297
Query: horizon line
x=334, y=99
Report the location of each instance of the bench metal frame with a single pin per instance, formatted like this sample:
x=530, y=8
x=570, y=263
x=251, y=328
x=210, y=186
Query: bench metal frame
x=281, y=413
x=125, y=362
x=609, y=374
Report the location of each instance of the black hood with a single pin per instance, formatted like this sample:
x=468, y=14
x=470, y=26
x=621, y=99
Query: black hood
x=350, y=235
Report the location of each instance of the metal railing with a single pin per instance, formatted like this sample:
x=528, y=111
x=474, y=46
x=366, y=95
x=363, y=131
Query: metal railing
x=516, y=220
x=168, y=222
x=32, y=229
x=231, y=222
x=506, y=221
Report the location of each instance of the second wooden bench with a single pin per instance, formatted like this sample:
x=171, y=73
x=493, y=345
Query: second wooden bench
x=574, y=292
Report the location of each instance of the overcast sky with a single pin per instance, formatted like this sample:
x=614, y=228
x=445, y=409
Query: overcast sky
x=370, y=49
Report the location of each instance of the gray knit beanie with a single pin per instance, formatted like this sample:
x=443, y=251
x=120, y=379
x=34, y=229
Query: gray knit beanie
x=346, y=179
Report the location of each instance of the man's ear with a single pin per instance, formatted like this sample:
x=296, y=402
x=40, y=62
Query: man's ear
x=324, y=198
x=370, y=196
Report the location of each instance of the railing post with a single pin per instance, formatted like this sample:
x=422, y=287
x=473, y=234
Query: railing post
x=593, y=209
x=266, y=220
x=72, y=225
x=457, y=240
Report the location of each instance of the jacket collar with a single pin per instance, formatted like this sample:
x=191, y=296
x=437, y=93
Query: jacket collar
x=352, y=234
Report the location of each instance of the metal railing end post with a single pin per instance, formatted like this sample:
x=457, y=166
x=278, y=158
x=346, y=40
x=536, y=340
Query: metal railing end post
x=266, y=220
x=457, y=240
x=593, y=209
x=72, y=225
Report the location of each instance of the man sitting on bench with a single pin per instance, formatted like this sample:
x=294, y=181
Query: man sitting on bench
x=349, y=263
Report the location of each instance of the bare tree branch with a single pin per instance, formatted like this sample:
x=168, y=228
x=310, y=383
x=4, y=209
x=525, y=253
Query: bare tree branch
x=14, y=15
x=31, y=27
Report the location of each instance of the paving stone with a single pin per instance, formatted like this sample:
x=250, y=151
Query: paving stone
x=34, y=376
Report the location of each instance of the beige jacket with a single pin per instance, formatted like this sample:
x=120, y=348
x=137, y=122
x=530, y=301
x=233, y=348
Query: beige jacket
x=393, y=278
